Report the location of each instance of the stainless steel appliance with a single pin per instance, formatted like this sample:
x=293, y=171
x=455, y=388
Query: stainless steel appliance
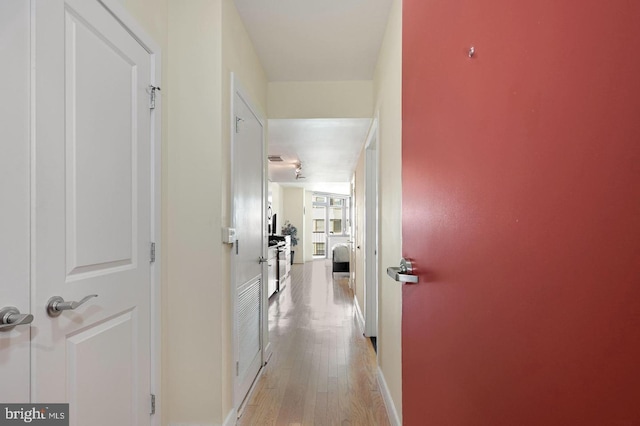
x=283, y=246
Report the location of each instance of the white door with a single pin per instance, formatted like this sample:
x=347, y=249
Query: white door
x=14, y=196
x=92, y=214
x=249, y=203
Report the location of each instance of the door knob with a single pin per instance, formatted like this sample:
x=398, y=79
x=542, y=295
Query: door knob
x=10, y=316
x=262, y=260
x=404, y=273
x=56, y=305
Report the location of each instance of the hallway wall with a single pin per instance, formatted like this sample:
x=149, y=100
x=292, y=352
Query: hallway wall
x=320, y=99
x=388, y=107
x=308, y=226
x=193, y=337
x=293, y=205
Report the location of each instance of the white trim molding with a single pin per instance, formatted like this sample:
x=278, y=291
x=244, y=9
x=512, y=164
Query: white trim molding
x=359, y=315
x=392, y=413
x=231, y=418
x=192, y=424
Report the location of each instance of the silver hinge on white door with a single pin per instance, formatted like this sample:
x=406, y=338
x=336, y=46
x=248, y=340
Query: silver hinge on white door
x=153, y=404
x=237, y=368
x=238, y=121
x=152, y=95
x=152, y=253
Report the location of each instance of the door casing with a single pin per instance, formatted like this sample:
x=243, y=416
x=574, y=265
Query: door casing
x=371, y=232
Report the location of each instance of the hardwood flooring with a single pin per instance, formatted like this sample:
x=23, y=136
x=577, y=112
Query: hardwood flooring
x=323, y=370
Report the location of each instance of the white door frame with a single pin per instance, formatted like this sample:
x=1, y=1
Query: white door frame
x=371, y=232
x=237, y=88
x=135, y=29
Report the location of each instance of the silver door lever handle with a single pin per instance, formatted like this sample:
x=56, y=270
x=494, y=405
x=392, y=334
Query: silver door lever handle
x=10, y=316
x=404, y=273
x=56, y=305
x=262, y=260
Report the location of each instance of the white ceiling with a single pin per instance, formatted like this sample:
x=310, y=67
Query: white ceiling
x=328, y=149
x=316, y=40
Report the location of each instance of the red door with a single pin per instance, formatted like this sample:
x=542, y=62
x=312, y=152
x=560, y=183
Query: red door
x=521, y=212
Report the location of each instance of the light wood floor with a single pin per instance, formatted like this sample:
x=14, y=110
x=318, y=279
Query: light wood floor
x=323, y=370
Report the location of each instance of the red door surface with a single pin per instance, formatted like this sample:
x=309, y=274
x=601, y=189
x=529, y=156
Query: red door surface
x=521, y=212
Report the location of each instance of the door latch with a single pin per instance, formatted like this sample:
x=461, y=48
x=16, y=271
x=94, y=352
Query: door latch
x=404, y=273
x=56, y=305
x=11, y=316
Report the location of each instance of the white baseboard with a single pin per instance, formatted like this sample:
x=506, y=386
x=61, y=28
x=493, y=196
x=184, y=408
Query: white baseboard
x=358, y=313
x=240, y=411
x=268, y=351
x=231, y=419
x=392, y=413
x=191, y=424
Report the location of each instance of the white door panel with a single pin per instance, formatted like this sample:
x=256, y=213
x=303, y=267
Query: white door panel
x=86, y=350
x=92, y=223
x=14, y=195
x=100, y=81
x=249, y=204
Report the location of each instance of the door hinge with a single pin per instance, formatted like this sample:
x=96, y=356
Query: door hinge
x=153, y=404
x=237, y=368
x=152, y=253
x=152, y=95
x=238, y=120
x=237, y=244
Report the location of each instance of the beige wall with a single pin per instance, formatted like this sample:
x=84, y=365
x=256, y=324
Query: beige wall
x=293, y=205
x=329, y=99
x=358, y=273
x=194, y=336
x=388, y=101
x=198, y=266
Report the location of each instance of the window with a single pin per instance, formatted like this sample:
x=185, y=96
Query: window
x=319, y=249
x=335, y=220
x=330, y=218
